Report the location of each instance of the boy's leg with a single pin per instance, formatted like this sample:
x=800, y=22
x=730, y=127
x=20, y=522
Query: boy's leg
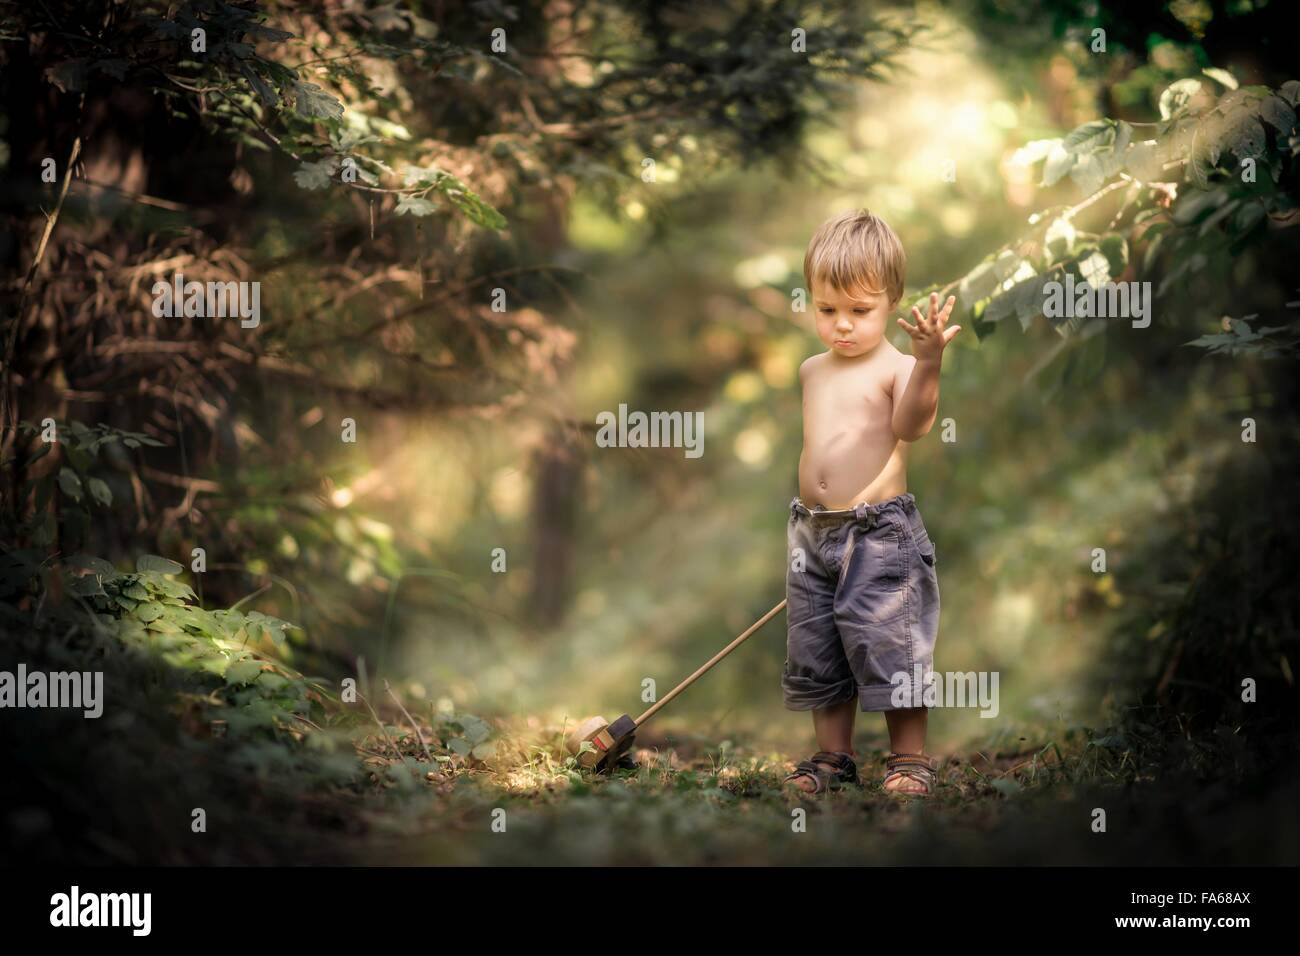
x=833, y=727
x=816, y=675
x=906, y=736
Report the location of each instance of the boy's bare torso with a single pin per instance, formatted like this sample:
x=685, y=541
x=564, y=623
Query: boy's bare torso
x=850, y=453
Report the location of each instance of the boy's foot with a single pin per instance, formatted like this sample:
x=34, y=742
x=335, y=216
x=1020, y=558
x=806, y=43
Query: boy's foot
x=824, y=771
x=910, y=774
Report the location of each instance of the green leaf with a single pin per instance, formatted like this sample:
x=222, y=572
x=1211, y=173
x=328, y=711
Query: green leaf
x=484, y=751
x=1278, y=114
x=1246, y=138
x=312, y=101
x=265, y=92
x=1290, y=91
x=88, y=562
x=243, y=672
x=69, y=483
x=459, y=746
x=1115, y=248
x=415, y=205
x=149, y=611
x=1176, y=98
x=159, y=565
x=99, y=491
x=1089, y=174
x=1090, y=137
x=1060, y=237
x=1223, y=77
x=470, y=203
x=86, y=585
x=1095, y=269
x=1144, y=161
x=316, y=175
x=1059, y=162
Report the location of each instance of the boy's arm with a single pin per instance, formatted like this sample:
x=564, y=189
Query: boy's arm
x=916, y=380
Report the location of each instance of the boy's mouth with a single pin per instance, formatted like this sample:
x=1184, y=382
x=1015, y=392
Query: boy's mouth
x=843, y=343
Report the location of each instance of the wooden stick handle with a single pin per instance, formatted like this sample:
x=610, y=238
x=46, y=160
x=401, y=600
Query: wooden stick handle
x=716, y=657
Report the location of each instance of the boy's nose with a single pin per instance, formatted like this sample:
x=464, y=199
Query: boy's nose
x=844, y=325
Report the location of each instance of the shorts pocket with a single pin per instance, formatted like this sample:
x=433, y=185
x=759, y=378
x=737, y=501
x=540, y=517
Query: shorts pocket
x=874, y=584
x=921, y=540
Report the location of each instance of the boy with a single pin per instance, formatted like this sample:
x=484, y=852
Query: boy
x=863, y=595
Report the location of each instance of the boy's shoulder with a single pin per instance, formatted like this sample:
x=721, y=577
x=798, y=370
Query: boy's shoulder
x=810, y=364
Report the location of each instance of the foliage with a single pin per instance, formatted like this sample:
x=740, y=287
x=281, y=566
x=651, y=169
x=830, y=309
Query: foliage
x=1220, y=210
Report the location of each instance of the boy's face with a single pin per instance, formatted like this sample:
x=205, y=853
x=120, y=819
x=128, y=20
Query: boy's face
x=850, y=324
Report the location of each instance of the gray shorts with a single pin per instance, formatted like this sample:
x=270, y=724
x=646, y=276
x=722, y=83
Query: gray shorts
x=863, y=605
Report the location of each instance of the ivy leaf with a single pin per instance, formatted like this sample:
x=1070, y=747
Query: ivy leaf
x=1060, y=237
x=69, y=483
x=1089, y=174
x=470, y=203
x=1176, y=98
x=1144, y=162
x=1223, y=77
x=149, y=611
x=87, y=585
x=1115, y=248
x=1090, y=137
x=1095, y=269
x=100, y=491
x=984, y=279
x=316, y=175
x=265, y=92
x=415, y=205
x=243, y=672
x=1246, y=138
x=160, y=565
x=1290, y=92
x=263, y=32
x=1059, y=161
x=88, y=562
x=312, y=101
x=1275, y=111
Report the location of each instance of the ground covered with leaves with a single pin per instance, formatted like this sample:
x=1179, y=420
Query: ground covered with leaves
x=288, y=769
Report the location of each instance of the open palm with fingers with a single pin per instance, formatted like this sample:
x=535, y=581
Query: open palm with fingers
x=929, y=335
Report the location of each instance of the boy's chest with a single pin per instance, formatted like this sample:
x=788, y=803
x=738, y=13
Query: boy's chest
x=843, y=399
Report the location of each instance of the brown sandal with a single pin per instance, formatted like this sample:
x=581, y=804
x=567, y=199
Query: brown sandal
x=915, y=767
x=840, y=772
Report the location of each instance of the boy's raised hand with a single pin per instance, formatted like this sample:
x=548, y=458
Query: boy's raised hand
x=929, y=337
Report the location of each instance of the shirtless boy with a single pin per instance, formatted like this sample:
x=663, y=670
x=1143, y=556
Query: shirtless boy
x=863, y=595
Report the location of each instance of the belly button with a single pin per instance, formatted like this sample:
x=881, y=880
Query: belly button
x=822, y=485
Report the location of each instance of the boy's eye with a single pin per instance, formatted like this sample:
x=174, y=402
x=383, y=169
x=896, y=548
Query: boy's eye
x=860, y=311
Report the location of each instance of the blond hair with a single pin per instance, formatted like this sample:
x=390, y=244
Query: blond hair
x=856, y=252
